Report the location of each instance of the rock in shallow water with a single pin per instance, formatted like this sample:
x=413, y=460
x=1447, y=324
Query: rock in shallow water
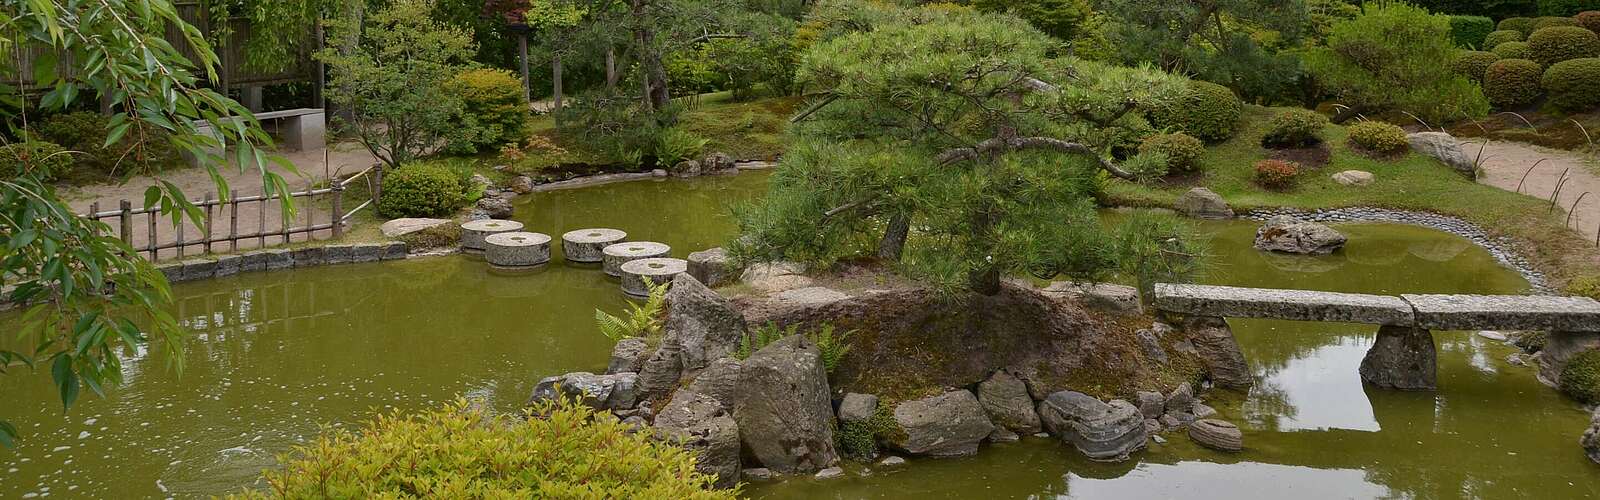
x=1102, y=431
x=602, y=392
x=1590, y=441
x=783, y=407
x=948, y=425
x=1006, y=400
x=1217, y=435
x=1290, y=235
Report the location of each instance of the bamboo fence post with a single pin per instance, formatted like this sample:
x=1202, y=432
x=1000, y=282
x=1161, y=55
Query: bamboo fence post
x=261, y=220
x=338, y=213
x=154, y=253
x=126, y=224
x=210, y=217
x=180, y=238
x=233, y=220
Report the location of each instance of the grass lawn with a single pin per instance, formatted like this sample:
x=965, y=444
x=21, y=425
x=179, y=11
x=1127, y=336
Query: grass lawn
x=1412, y=183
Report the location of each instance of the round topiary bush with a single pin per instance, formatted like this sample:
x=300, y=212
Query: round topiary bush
x=1511, y=83
x=1522, y=25
x=1294, y=128
x=562, y=451
x=1378, y=137
x=1207, y=111
x=1495, y=38
x=1574, y=85
x=494, y=111
x=44, y=159
x=1183, y=151
x=1473, y=63
x=1276, y=174
x=1563, y=43
x=1589, y=19
x=1580, y=380
x=1513, y=50
x=1552, y=22
x=421, y=190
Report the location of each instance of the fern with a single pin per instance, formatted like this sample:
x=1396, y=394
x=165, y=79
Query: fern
x=833, y=347
x=642, y=320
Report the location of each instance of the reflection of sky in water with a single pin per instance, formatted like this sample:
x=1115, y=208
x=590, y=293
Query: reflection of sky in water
x=1244, y=480
x=1324, y=389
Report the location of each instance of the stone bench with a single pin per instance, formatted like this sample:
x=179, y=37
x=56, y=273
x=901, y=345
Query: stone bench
x=1505, y=312
x=1297, y=305
x=304, y=128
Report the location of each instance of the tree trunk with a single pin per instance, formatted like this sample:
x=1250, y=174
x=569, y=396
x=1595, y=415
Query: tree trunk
x=985, y=279
x=522, y=61
x=894, y=239
x=555, y=83
x=611, y=69
x=657, y=95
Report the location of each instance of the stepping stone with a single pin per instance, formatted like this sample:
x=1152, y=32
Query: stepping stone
x=517, y=250
x=658, y=270
x=474, y=232
x=621, y=253
x=588, y=245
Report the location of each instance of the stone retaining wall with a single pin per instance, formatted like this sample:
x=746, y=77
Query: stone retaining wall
x=280, y=258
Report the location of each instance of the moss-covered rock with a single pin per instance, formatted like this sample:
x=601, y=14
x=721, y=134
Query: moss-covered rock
x=1580, y=380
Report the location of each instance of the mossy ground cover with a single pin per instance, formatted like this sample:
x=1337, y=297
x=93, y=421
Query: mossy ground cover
x=1411, y=182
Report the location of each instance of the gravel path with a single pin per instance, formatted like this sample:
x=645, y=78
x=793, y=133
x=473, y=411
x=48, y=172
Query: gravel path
x=1506, y=163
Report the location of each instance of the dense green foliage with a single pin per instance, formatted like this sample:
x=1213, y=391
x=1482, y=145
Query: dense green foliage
x=423, y=189
x=1295, y=128
x=859, y=440
x=1522, y=25
x=1182, y=151
x=561, y=450
x=40, y=159
x=1063, y=19
x=493, y=111
x=1553, y=45
x=1565, y=7
x=1514, y=50
x=1495, y=38
x=1497, y=9
x=85, y=133
x=1585, y=286
x=1512, y=83
x=1580, y=379
x=1276, y=174
x=1573, y=85
x=640, y=320
x=1378, y=137
x=1470, y=31
x=1205, y=110
x=1395, y=57
x=1474, y=63
x=1240, y=44
x=1552, y=22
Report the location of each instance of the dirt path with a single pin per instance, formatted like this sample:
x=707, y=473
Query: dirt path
x=196, y=183
x=1506, y=163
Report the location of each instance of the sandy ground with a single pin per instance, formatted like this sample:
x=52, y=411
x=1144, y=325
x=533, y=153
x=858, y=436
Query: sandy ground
x=1505, y=164
x=196, y=184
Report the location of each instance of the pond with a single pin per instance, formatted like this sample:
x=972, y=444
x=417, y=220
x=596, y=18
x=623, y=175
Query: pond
x=278, y=355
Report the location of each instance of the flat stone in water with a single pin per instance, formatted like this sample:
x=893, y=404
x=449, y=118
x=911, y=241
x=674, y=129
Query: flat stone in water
x=617, y=254
x=588, y=245
x=474, y=232
x=517, y=249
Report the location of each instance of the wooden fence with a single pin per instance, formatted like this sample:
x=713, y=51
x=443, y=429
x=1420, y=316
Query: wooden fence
x=157, y=235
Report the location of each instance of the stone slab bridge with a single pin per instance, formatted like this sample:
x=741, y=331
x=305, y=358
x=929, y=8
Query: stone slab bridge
x=1403, y=357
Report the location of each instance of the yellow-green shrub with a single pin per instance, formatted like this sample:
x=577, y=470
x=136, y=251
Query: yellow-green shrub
x=1378, y=136
x=1183, y=152
x=494, y=110
x=1573, y=85
x=1563, y=43
x=1473, y=63
x=1552, y=22
x=1495, y=38
x=565, y=451
x=1581, y=377
x=1207, y=111
x=1513, y=50
x=1294, y=127
x=422, y=190
x=44, y=159
x=1586, y=286
x=1511, y=83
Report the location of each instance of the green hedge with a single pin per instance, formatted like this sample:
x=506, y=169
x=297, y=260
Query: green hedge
x=1561, y=43
x=1511, y=83
x=1574, y=85
x=1207, y=111
x=1552, y=22
x=422, y=190
x=1470, y=31
x=1514, y=50
x=1522, y=25
x=1473, y=63
x=1182, y=150
x=1495, y=38
x=1294, y=128
x=1378, y=136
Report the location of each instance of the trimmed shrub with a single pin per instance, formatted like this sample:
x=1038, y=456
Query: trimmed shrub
x=1378, y=137
x=1562, y=43
x=1580, y=380
x=1276, y=174
x=1513, y=50
x=1574, y=85
x=1552, y=22
x=1470, y=31
x=1511, y=83
x=1207, y=111
x=563, y=450
x=1394, y=56
x=44, y=159
x=1564, y=8
x=1495, y=38
x=1294, y=128
x=1589, y=19
x=422, y=190
x=1522, y=25
x=1182, y=151
x=86, y=132
x=494, y=112
x=1473, y=63
x=1586, y=286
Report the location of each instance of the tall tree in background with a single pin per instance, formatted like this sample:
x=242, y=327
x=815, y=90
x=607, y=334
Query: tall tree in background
x=555, y=20
x=1220, y=41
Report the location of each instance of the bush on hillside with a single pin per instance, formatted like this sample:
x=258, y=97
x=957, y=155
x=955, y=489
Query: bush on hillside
x=1294, y=128
x=1470, y=31
x=1562, y=43
x=1513, y=50
x=1183, y=151
x=1207, y=111
x=563, y=450
x=43, y=159
x=1552, y=22
x=1276, y=174
x=1522, y=25
x=1574, y=85
x=422, y=190
x=1395, y=56
x=1580, y=379
x=1495, y=38
x=86, y=132
x=1585, y=286
x=1562, y=8
x=493, y=111
x=1473, y=63
x=1512, y=83
x=1589, y=19
x=1378, y=137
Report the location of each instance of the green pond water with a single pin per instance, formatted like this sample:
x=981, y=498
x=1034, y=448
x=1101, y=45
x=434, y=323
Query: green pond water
x=276, y=356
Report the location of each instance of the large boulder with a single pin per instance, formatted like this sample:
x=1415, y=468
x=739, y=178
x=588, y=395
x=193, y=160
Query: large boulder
x=1290, y=235
x=1202, y=203
x=1590, y=441
x=400, y=227
x=496, y=207
x=602, y=392
x=1105, y=432
x=1213, y=341
x=1442, y=147
x=705, y=325
x=1401, y=358
x=783, y=408
x=1217, y=434
x=718, y=164
x=1005, y=399
x=710, y=266
x=628, y=356
x=948, y=425
x=720, y=381
x=856, y=407
x=698, y=423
